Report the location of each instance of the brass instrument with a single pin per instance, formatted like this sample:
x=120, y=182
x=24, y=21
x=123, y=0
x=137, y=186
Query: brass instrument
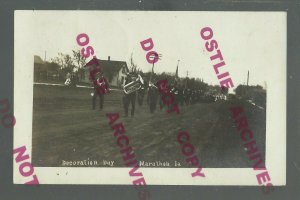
x=151, y=85
x=133, y=85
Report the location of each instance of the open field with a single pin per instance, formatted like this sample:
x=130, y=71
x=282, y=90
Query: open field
x=66, y=128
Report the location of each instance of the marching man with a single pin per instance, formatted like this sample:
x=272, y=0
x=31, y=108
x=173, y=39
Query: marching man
x=100, y=89
x=129, y=98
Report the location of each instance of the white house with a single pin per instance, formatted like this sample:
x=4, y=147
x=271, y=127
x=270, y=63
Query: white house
x=113, y=71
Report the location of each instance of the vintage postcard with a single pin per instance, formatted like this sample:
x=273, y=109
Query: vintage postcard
x=150, y=97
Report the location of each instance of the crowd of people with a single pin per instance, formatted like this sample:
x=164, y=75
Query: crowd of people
x=148, y=90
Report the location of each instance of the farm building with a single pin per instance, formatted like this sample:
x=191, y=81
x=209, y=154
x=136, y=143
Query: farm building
x=113, y=71
x=40, y=69
x=45, y=71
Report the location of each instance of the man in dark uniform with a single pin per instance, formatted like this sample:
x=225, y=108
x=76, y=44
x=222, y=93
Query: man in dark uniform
x=100, y=89
x=180, y=95
x=129, y=98
x=141, y=94
x=175, y=91
x=186, y=96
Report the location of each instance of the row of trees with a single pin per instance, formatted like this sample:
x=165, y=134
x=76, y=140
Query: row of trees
x=59, y=66
x=70, y=63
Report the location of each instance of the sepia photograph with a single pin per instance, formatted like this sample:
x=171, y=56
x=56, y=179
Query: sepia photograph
x=108, y=90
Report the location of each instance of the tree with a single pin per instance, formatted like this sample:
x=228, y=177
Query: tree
x=80, y=62
x=133, y=68
x=52, y=70
x=191, y=83
x=65, y=62
x=241, y=90
x=224, y=90
x=52, y=66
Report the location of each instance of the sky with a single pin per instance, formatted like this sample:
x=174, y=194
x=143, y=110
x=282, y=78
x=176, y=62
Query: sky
x=254, y=41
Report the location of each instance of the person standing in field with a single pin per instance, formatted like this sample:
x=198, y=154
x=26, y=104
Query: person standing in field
x=129, y=98
x=100, y=89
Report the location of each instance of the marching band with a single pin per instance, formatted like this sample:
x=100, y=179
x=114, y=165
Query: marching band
x=136, y=87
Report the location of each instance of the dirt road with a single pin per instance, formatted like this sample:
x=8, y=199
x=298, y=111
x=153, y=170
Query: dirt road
x=66, y=128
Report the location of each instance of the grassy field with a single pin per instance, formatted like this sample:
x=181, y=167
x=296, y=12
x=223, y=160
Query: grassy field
x=66, y=128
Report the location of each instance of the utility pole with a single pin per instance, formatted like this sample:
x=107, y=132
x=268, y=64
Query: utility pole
x=176, y=74
x=45, y=56
x=248, y=78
